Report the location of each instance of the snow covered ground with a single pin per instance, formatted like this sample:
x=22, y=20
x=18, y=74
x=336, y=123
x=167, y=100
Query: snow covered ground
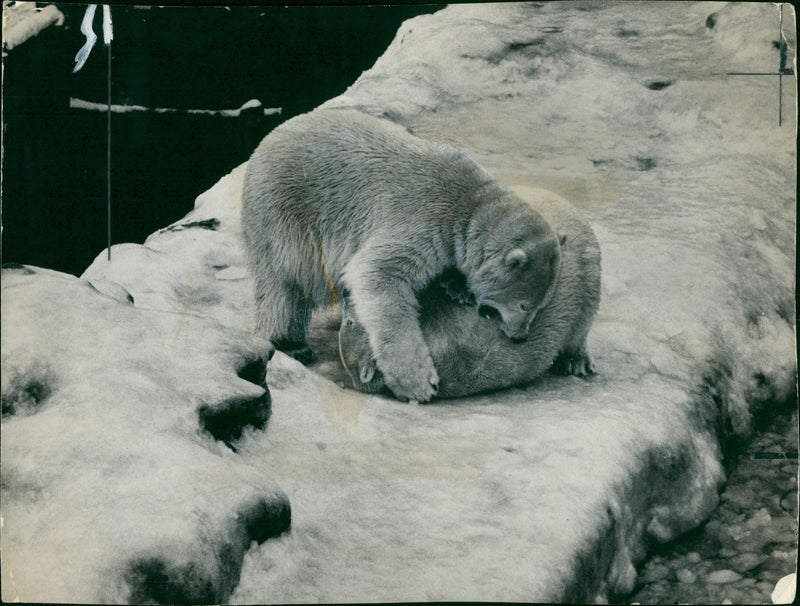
x=551, y=492
x=112, y=491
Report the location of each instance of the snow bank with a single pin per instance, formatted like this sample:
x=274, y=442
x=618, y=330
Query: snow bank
x=548, y=493
x=114, y=489
x=195, y=265
x=23, y=20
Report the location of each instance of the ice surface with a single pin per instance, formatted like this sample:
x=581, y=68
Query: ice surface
x=548, y=493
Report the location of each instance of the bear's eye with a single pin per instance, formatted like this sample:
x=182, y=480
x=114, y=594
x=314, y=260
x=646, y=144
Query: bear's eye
x=489, y=312
x=516, y=258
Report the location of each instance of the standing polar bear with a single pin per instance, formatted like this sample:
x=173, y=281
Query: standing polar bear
x=337, y=200
x=470, y=353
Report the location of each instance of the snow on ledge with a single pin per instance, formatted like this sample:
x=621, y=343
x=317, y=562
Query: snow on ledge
x=24, y=20
x=253, y=104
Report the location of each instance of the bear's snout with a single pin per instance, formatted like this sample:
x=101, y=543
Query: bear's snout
x=516, y=324
x=516, y=335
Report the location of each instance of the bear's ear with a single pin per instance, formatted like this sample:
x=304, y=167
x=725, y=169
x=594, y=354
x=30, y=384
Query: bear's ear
x=562, y=239
x=516, y=257
x=367, y=371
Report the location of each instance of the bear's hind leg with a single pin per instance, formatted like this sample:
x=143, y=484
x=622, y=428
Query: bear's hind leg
x=292, y=341
x=284, y=316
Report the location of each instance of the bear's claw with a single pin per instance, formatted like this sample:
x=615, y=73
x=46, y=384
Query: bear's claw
x=573, y=363
x=420, y=383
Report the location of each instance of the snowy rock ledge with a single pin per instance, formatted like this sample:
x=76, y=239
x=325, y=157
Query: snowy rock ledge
x=113, y=483
x=118, y=485
x=114, y=487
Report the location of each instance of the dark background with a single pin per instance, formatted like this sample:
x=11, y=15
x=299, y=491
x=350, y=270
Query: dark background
x=54, y=163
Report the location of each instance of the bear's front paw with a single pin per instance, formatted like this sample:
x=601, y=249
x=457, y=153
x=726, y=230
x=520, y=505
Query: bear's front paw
x=413, y=381
x=577, y=364
x=454, y=285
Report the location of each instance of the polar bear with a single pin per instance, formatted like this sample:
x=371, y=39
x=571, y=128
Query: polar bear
x=338, y=200
x=470, y=353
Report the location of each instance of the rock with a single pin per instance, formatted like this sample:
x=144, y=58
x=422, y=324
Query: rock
x=655, y=572
x=721, y=577
x=759, y=518
x=674, y=202
x=693, y=557
x=744, y=562
x=686, y=576
x=783, y=555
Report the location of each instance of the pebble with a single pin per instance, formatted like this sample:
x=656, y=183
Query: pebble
x=655, y=572
x=783, y=555
x=686, y=576
x=745, y=561
x=760, y=518
x=749, y=543
x=723, y=576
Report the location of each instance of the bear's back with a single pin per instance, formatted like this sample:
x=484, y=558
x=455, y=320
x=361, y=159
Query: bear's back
x=334, y=161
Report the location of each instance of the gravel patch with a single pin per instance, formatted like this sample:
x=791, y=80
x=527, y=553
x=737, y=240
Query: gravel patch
x=748, y=544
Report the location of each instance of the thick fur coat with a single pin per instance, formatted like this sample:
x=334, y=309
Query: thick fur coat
x=470, y=353
x=338, y=200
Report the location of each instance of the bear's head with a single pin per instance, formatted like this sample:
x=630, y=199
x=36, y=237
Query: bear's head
x=517, y=272
x=355, y=352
